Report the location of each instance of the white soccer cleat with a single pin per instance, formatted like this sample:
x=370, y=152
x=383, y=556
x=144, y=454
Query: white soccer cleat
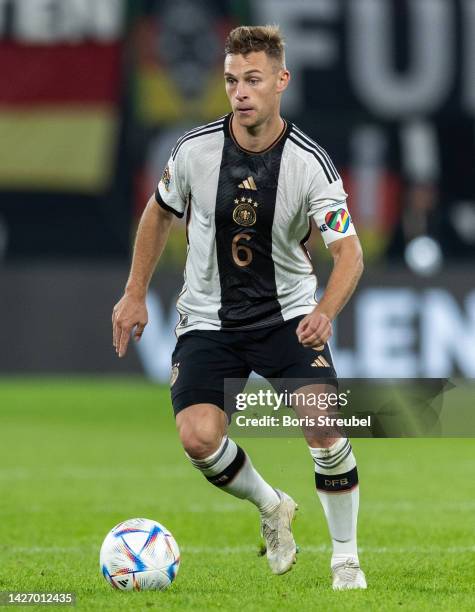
x=348, y=575
x=276, y=529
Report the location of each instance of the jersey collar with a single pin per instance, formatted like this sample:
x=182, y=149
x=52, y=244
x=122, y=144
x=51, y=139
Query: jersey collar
x=229, y=132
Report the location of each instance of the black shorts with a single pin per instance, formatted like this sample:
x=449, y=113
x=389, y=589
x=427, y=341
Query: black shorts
x=203, y=359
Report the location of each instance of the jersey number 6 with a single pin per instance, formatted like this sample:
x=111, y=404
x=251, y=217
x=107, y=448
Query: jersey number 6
x=242, y=255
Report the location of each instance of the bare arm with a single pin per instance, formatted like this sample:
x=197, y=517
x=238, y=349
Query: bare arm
x=130, y=312
x=347, y=270
x=316, y=328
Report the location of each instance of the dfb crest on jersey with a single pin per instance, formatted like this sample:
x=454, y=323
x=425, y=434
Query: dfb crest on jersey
x=245, y=211
x=166, y=178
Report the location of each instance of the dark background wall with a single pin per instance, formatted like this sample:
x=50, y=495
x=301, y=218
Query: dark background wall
x=57, y=320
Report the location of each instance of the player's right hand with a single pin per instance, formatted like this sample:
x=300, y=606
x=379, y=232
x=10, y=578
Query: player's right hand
x=130, y=313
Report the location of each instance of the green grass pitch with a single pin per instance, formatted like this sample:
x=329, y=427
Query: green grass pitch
x=78, y=457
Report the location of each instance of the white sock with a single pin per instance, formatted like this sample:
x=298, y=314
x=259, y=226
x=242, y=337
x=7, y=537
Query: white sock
x=336, y=478
x=230, y=469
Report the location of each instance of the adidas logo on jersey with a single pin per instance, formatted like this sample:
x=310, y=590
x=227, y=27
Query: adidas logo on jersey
x=248, y=183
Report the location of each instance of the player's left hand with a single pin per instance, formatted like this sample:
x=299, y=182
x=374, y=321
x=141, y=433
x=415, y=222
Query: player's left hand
x=314, y=329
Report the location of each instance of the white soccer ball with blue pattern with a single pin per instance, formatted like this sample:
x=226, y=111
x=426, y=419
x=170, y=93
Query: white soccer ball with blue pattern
x=139, y=555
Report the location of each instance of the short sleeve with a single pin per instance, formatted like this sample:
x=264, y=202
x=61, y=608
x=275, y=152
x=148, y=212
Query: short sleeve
x=327, y=205
x=172, y=190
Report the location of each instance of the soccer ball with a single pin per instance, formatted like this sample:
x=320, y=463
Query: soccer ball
x=139, y=554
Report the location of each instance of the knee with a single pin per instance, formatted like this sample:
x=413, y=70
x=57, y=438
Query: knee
x=199, y=442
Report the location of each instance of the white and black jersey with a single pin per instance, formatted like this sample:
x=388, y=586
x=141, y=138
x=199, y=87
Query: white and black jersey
x=248, y=218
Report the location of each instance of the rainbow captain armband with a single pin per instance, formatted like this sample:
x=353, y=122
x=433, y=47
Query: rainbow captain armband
x=334, y=222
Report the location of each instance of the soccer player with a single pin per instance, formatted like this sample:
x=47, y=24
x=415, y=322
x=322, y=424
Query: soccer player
x=249, y=183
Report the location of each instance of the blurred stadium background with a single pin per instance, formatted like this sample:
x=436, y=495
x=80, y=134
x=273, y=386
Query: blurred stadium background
x=93, y=94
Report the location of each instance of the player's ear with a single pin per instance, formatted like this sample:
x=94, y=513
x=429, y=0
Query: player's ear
x=283, y=80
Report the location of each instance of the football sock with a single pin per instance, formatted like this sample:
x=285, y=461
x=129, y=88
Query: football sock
x=336, y=478
x=230, y=469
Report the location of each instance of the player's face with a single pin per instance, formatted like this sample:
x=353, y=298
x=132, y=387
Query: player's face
x=254, y=84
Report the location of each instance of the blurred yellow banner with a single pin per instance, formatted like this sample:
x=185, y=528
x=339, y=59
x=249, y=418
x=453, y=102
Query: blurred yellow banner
x=57, y=148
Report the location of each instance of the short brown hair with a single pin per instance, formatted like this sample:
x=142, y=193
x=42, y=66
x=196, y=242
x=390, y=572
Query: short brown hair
x=248, y=39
